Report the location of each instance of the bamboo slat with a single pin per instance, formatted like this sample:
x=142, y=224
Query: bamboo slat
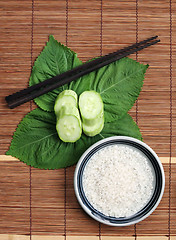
x=13, y=159
x=13, y=237
x=48, y=237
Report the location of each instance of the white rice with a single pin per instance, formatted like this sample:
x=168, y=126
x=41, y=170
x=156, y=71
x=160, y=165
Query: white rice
x=118, y=180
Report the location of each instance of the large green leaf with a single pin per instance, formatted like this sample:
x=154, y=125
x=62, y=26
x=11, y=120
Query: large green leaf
x=53, y=60
x=36, y=142
x=119, y=85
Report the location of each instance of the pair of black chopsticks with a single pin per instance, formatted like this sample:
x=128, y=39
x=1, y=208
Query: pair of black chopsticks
x=41, y=88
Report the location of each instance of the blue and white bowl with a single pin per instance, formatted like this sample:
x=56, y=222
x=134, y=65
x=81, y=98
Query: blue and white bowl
x=158, y=188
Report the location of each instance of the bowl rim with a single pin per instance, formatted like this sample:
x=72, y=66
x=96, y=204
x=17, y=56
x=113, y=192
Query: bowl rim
x=87, y=210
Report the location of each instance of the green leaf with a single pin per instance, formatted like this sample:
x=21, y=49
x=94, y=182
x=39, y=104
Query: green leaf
x=125, y=126
x=119, y=85
x=53, y=60
x=85, y=83
x=36, y=142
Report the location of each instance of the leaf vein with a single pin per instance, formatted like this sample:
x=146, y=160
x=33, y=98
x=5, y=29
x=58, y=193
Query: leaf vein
x=119, y=81
x=37, y=140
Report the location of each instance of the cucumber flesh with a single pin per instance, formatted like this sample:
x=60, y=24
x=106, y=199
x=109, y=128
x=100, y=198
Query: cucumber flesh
x=93, y=122
x=67, y=97
x=69, y=110
x=69, y=125
x=68, y=128
x=90, y=105
x=91, y=131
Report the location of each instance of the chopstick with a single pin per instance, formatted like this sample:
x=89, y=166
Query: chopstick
x=41, y=88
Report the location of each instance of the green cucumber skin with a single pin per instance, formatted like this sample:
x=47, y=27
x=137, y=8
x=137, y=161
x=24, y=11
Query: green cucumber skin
x=83, y=98
x=64, y=98
x=91, y=131
x=68, y=93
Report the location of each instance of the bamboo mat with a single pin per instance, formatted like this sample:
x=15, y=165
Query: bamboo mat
x=41, y=205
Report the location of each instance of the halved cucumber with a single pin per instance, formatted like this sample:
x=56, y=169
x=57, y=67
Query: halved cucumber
x=67, y=97
x=90, y=105
x=95, y=129
x=68, y=124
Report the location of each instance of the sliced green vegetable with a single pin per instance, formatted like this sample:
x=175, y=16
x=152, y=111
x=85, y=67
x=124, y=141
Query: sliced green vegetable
x=92, y=112
x=67, y=97
x=90, y=105
x=68, y=128
x=68, y=125
x=91, y=131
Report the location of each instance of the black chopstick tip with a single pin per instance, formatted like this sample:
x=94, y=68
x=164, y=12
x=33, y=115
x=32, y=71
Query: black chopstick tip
x=10, y=105
x=156, y=41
